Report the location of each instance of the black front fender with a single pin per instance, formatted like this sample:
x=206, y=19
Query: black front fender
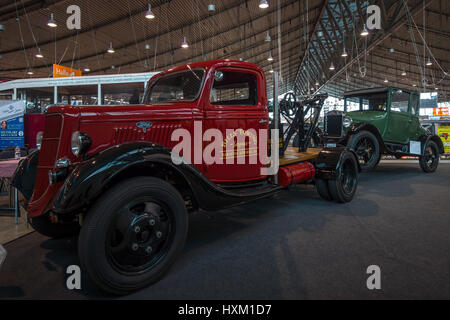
x=24, y=177
x=91, y=178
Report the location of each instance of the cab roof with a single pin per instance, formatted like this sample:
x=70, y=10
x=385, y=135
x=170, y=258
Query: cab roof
x=213, y=63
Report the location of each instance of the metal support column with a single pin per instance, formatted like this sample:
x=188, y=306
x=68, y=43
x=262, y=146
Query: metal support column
x=55, y=94
x=99, y=94
x=276, y=112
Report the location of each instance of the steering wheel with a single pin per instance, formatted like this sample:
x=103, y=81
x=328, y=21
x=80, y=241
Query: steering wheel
x=288, y=105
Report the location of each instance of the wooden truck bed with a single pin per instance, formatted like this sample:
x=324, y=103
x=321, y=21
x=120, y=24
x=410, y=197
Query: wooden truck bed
x=293, y=156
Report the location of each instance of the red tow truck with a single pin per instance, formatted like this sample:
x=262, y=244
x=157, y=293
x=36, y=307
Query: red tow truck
x=112, y=173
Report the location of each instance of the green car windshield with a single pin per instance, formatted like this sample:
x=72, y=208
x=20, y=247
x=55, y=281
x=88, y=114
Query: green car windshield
x=367, y=102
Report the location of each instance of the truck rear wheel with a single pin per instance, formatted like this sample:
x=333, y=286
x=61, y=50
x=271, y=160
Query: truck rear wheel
x=430, y=160
x=322, y=189
x=367, y=148
x=343, y=188
x=44, y=226
x=133, y=234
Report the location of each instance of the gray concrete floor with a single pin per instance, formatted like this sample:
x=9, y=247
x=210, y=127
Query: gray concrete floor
x=295, y=246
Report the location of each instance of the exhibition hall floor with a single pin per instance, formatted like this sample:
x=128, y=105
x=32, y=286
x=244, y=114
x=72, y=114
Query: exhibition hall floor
x=294, y=246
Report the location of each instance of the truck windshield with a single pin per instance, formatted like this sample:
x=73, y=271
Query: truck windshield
x=177, y=86
x=367, y=102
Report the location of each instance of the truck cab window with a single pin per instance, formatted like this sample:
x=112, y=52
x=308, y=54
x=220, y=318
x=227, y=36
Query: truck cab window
x=400, y=101
x=178, y=86
x=235, y=88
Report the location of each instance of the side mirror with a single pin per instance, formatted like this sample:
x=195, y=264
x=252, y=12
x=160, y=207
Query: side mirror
x=218, y=76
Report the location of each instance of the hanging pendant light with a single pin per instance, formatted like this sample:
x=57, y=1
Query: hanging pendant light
x=52, y=23
x=111, y=49
x=211, y=7
x=317, y=83
x=386, y=80
x=184, y=44
x=30, y=72
x=268, y=38
x=270, y=58
x=271, y=69
x=332, y=66
x=147, y=46
x=87, y=69
x=344, y=53
x=403, y=72
x=263, y=4
x=39, y=54
x=429, y=63
x=365, y=32
x=149, y=13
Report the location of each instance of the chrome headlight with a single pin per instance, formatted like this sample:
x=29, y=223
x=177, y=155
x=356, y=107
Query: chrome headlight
x=39, y=136
x=80, y=143
x=347, y=122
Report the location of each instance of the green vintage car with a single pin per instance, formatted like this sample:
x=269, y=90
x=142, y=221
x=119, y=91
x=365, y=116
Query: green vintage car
x=380, y=121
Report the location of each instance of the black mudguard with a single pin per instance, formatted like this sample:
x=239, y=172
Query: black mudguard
x=24, y=177
x=363, y=126
x=91, y=178
x=435, y=138
x=329, y=162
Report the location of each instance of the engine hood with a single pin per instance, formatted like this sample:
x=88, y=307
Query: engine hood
x=365, y=116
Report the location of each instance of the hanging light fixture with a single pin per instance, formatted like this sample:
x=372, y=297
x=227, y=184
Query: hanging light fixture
x=386, y=80
x=429, y=63
x=184, y=44
x=344, y=53
x=332, y=66
x=211, y=7
x=30, y=72
x=87, y=69
x=268, y=38
x=365, y=33
x=111, y=49
x=52, y=23
x=414, y=85
x=403, y=72
x=39, y=54
x=270, y=58
x=147, y=46
x=317, y=83
x=149, y=13
x=263, y=4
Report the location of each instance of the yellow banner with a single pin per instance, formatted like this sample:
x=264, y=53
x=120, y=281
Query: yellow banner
x=64, y=72
x=443, y=133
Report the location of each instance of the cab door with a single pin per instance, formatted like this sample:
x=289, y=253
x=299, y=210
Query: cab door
x=237, y=107
x=415, y=128
x=400, y=119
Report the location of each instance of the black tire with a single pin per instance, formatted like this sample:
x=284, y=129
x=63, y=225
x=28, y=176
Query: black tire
x=343, y=188
x=111, y=249
x=367, y=149
x=44, y=226
x=322, y=189
x=430, y=160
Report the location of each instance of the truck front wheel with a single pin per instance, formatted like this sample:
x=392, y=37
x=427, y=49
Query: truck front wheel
x=367, y=148
x=133, y=234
